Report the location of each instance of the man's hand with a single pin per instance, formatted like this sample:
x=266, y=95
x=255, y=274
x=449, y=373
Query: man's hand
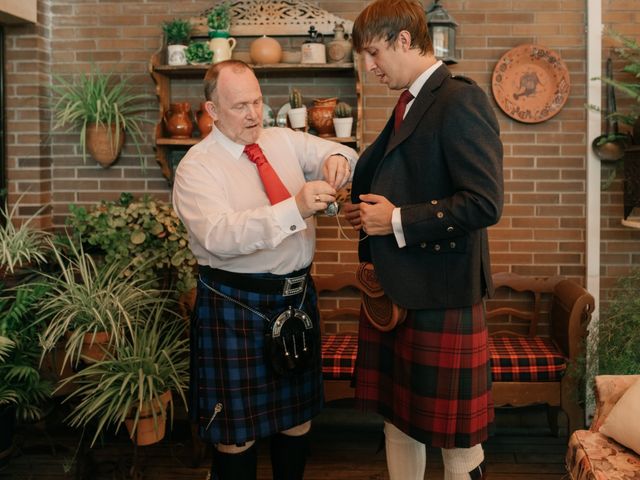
x=336, y=171
x=314, y=197
x=352, y=214
x=375, y=214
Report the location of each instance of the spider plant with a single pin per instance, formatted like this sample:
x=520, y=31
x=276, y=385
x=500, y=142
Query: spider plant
x=99, y=98
x=23, y=245
x=152, y=359
x=86, y=298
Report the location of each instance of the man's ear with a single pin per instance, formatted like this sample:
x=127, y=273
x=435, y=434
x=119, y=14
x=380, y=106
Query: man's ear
x=404, y=40
x=211, y=109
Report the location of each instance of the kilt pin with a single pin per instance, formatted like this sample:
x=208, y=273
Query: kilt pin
x=228, y=367
x=430, y=376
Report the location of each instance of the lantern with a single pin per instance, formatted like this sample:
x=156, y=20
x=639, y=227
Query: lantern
x=442, y=29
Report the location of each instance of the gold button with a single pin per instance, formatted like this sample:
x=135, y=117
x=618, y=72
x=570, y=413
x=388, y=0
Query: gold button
x=449, y=229
x=440, y=215
x=434, y=202
x=452, y=244
x=436, y=247
x=423, y=245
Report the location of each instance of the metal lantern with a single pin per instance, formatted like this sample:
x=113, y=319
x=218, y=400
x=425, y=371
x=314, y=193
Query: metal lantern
x=442, y=29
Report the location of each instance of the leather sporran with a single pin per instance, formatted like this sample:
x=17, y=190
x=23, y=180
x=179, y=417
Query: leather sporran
x=290, y=342
x=381, y=312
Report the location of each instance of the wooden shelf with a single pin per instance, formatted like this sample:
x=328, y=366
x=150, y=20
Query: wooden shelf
x=183, y=71
x=177, y=141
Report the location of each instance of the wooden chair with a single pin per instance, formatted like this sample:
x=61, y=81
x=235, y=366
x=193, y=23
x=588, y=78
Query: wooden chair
x=529, y=365
x=339, y=303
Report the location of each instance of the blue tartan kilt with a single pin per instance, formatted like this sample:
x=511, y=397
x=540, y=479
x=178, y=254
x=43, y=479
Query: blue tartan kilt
x=228, y=367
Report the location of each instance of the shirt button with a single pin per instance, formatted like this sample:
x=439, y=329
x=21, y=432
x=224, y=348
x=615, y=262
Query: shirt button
x=436, y=247
x=423, y=245
x=292, y=228
x=434, y=202
x=440, y=215
x=449, y=229
x=452, y=244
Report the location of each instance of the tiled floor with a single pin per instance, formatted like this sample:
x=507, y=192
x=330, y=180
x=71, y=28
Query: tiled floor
x=344, y=447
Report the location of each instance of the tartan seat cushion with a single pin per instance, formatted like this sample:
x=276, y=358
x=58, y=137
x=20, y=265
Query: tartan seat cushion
x=525, y=359
x=339, y=356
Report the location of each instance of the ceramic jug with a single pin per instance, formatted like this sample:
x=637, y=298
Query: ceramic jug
x=340, y=48
x=177, y=120
x=321, y=115
x=222, y=46
x=313, y=49
x=205, y=122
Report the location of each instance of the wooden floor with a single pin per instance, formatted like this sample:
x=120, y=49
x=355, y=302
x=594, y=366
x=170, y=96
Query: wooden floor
x=344, y=447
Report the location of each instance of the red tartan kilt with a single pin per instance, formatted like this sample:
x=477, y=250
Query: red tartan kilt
x=431, y=376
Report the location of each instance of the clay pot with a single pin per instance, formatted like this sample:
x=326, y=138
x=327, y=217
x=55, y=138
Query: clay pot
x=177, y=120
x=265, y=50
x=146, y=432
x=205, y=122
x=321, y=116
x=95, y=347
x=103, y=144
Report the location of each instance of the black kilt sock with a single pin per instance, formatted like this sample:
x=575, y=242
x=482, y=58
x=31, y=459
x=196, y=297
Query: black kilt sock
x=289, y=456
x=235, y=466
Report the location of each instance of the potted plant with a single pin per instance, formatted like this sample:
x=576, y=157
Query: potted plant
x=145, y=231
x=342, y=120
x=198, y=53
x=88, y=306
x=219, y=20
x=102, y=108
x=298, y=112
x=177, y=33
x=133, y=385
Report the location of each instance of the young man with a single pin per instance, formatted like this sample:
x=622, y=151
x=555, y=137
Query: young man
x=246, y=199
x=423, y=194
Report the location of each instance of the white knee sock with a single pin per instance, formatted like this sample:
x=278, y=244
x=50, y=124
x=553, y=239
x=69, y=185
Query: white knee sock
x=458, y=462
x=406, y=457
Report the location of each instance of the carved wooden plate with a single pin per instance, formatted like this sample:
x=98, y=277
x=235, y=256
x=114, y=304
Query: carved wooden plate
x=530, y=83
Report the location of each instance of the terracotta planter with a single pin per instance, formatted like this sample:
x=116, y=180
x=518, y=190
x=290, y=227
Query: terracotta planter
x=146, y=432
x=95, y=347
x=103, y=144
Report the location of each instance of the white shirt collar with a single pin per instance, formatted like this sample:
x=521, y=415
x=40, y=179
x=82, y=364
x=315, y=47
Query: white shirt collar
x=417, y=85
x=235, y=149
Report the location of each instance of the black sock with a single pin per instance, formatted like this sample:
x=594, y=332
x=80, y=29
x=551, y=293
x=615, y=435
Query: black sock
x=235, y=466
x=289, y=456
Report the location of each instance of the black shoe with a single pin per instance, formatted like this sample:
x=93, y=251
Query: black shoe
x=480, y=472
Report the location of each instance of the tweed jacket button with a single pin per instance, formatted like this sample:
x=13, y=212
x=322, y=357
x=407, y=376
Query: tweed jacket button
x=449, y=229
x=436, y=247
x=423, y=245
x=440, y=215
x=452, y=244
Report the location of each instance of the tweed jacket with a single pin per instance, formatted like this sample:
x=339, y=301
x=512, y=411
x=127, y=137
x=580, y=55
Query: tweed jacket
x=443, y=168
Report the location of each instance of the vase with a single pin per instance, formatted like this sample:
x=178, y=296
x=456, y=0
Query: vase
x=176, y=54
x=265, y=50
x=313, y=49
x=104, y=143
x=204, y=120
x=321, y=116
x=222, y=45
x=177, y=120
x=340, y=50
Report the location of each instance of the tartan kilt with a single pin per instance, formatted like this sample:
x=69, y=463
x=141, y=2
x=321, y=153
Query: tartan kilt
x=228, y=366
x=430, y=377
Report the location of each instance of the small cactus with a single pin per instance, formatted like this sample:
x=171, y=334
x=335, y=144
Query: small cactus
x=295, y=98
x=342, y=110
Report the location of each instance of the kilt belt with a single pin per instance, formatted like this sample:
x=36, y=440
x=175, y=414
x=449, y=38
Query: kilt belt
x=286, y=285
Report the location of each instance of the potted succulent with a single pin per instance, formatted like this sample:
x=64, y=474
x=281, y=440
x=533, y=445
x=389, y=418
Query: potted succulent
x=219, y=20
x=199, y=53
x=177, y=33
x=342, y=120
x=145, y=231
x=298, y=112
x=102, y=108
x=88, y=306
x=133, y=385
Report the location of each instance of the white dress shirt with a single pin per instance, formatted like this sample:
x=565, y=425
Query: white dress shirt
x=220, y=198
x=396, y=219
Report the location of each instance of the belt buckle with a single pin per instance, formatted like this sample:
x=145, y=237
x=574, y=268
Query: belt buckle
x=293, y=285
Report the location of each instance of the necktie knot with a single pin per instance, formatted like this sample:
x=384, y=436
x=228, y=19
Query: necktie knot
x=254, y=153
x=273, y=186
x=401, y=106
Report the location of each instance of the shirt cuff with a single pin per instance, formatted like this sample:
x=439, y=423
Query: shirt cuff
x=288, y=216
x=396, y=223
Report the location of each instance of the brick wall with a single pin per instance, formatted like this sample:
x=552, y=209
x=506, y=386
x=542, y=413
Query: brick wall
x=542, y=231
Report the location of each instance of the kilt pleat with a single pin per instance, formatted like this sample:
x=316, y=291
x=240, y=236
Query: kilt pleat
x=228, y=367
x=430, y=377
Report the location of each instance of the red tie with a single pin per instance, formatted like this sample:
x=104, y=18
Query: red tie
x=273, y=186
x=401, y=106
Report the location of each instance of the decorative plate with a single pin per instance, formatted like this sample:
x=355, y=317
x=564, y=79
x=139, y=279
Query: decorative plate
x=268, y=117
x=530, y=83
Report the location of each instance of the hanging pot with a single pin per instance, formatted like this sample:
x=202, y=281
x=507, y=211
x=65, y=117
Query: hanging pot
x=104, y=143
x=609, y=147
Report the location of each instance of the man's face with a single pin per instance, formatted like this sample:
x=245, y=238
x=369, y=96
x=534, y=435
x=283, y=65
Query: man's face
x=237, y=108
x=385, y=62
